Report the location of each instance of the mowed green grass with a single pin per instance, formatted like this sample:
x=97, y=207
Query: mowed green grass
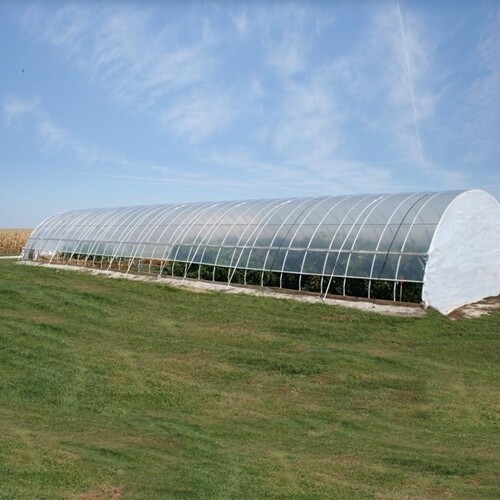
x=119, y=389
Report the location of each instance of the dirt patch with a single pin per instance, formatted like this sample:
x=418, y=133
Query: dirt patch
x=105, y=492
x=37, y=318
x=198, y=290
x=85, y=287
x=472, y=311
x=339, y=317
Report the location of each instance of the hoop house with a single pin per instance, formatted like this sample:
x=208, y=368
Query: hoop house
x=439, y=248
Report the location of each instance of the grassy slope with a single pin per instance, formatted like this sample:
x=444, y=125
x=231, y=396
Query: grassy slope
x=111, y=387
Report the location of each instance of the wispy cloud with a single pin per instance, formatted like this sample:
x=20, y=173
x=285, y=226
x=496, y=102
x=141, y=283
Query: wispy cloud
x=308, y=127
x=101, y=162
x=300, y=125
x=199, y=114
x=482, y=103
x=409, y=70
x=240, y=21
x=404, y=76
x=389, y=76
x=139, y=64
x=302, y=176
x=15, y=109
x=254, y=86
x=287, y=33
x=53, y=138
x=119, y=48
x=189, y=181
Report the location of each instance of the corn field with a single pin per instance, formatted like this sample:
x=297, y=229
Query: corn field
x=13, y=240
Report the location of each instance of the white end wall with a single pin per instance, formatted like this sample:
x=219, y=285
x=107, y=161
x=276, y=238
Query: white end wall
x=464, y=257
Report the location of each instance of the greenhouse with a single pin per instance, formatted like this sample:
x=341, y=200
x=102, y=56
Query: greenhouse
x=441, y=249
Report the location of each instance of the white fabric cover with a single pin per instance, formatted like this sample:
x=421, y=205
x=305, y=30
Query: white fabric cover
x=464, y=257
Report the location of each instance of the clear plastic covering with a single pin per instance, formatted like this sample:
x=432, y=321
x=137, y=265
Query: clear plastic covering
x=374, y=237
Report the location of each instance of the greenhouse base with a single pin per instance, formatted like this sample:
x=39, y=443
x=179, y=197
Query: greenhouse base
x=338, y=287
x=379, y=306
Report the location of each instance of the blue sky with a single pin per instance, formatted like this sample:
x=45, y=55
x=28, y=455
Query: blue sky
x=110, y=103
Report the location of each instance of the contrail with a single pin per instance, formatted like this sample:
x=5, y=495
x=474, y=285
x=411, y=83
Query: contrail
x=408, y=71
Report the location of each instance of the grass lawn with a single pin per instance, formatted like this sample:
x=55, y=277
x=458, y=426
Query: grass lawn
x=119, y=389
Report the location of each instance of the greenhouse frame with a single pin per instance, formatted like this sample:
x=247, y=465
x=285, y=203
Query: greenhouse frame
x=441, y=249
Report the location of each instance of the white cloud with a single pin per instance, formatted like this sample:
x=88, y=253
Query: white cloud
x=287, y=35
x=389, y=77
x=14, y=109
x=105, y=163
x=121, y=49
x=302, y=131
x=30, y=114
x=165, y=68
x=307, y=128
x=53, y=138
x=173, y=180
x=482, y=103
x=297, y=112
x=287, y=55
x=240, y=21
x=306, y=177
x=399, y=45
x=198, y=115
